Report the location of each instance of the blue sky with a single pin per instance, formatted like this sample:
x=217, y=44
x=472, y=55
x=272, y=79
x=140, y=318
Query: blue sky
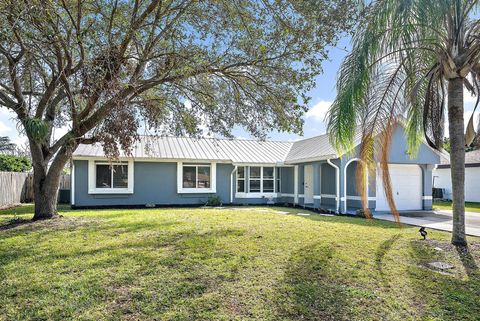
x=322, y=97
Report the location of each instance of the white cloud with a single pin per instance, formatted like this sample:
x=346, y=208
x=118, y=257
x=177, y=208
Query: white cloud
x=468, y=97
x=467, y=116
x=318, y=111
x=4, y=129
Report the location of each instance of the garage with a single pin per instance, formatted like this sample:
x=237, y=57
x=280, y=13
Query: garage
x=406, y=187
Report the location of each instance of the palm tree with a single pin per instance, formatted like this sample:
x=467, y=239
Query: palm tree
x=410, y=62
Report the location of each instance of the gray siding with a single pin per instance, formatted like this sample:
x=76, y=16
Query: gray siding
x=154, y=183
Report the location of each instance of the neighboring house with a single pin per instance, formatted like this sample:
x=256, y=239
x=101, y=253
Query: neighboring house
x=442, y=177
x=309, y=172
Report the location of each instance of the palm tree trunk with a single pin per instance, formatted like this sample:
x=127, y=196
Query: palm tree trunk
x=457, y=158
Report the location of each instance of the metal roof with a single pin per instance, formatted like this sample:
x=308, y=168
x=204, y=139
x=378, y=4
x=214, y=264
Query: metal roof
x=186, y=148
x=311, y=149
x=472, y=159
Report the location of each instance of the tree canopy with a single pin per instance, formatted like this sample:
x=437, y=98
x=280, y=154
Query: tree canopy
x=105, y=68
x=5, y=144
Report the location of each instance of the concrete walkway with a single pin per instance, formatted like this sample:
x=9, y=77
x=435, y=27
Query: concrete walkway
x=439, y=220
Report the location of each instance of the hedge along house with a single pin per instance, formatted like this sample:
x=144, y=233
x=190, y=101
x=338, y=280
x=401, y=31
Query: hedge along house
x=309, y=172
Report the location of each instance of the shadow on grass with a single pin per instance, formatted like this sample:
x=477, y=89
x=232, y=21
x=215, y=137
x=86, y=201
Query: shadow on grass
x=382, y=251
x=308, y=291
x=446, y=295
x=468, y=261
x=353, y=220
x=28, y=209
x=151, y=272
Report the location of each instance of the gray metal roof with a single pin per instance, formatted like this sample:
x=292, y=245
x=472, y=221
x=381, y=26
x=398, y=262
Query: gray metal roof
x=185, y=148
x=311, y=149
x=472, y=159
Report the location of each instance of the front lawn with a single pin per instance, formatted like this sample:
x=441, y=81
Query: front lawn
x=447, y=205
x=229, y=264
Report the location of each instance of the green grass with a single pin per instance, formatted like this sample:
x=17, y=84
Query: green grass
x=447, y=205
x=224, y=264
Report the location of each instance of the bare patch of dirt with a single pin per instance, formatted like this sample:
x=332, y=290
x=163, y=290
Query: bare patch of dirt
x=57, y=223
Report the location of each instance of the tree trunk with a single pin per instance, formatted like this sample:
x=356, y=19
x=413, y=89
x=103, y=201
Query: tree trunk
x=45, y=201
x=457, y=158
x=46, y=181
x=45, y=194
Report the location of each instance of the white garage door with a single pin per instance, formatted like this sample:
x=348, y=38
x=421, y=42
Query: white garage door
x=406, y=187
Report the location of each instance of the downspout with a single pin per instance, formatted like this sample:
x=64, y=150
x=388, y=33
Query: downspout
x=72, y=183
x=337, y=179
x=231, y=184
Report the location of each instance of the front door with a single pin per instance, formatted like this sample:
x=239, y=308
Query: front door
x=308, y=184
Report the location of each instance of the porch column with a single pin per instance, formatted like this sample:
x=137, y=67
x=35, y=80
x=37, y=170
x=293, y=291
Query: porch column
x=427, y=198
x=295, y=185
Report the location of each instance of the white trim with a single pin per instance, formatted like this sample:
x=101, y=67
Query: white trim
x=317, y=197
x=313, y=159
x=213, y=179
x=359, y=198
x=295, y=184
x=260, y=164
x=328, y=196
x=287, y=195
x=154, y=159
x=232, y=185
x=72, y=184
x=427, y=198
x=337, y=181
x=301, y=196
x=92, y=169
x=244, y=179
x=257, y=195
x=247, y=190
x=345, y=196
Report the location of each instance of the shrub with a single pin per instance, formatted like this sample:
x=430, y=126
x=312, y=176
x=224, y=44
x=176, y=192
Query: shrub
x=10, y=163
x=214, y=200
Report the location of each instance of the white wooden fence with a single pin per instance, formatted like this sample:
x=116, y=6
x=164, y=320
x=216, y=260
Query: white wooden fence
x=16, y=188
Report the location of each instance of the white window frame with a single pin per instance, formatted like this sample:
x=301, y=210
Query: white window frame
x=255, y=179
x=213, y=178
x=261, y=193
x=92, y=178
x=244, y=179
x=273, y=179
x=279, y=179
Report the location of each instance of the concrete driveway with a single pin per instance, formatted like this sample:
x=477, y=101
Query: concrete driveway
x=439, y=220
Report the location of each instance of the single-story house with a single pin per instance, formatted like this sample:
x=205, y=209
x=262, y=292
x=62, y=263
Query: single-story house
x=185, y=171
x=442, y=177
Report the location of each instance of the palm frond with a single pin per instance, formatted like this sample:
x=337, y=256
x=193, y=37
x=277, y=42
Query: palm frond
x=396, y=73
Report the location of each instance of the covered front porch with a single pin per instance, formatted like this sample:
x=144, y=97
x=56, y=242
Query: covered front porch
x=330, y=185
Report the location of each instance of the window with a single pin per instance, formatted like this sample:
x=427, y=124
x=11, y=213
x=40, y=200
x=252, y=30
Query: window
x=278, y=179
x=203, y=177
x=241, y=179
x=189, y=176
x=115, y=176
x=268, y=179
x=255, y=179
x=196, y=178
x=110, y=178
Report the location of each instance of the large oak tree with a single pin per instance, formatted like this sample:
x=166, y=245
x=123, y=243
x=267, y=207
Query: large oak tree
x=105, y=68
